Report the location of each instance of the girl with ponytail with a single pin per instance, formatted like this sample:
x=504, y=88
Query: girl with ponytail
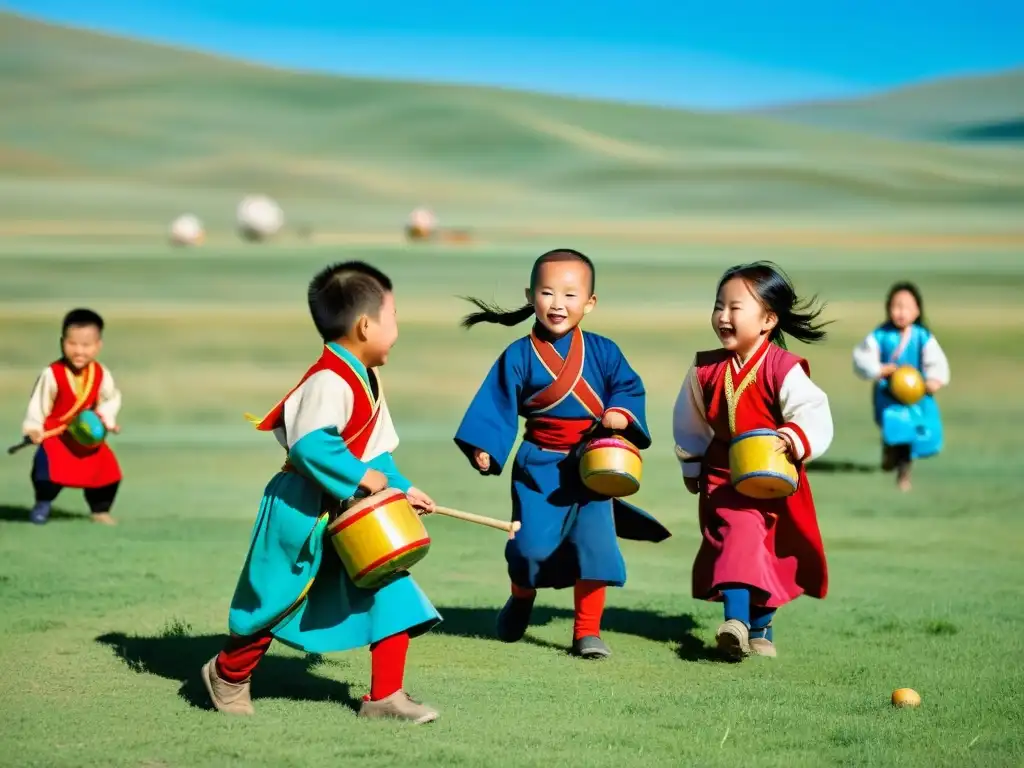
x=569, y=386
x=756, y=554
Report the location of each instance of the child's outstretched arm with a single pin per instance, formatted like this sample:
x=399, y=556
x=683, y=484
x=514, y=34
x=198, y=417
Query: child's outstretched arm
x=808, y=419
x=690, y=430
x=323, y=404
x=626, y=409
x=935, y=365
x=109, y=403
x=488, y=430
x=40, y=405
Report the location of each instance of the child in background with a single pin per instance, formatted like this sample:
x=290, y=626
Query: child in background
x=339, y=437
x=756, y=554
x=75, y=383
x=566, y=383
x=908, y=431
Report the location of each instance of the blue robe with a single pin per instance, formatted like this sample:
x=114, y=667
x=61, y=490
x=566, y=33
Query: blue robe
x=568, y=532
x=918, y=425
x=293, y=583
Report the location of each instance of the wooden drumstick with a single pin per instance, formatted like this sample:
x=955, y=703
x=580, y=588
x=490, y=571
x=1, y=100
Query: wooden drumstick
x=27, y=441
x=490, y=522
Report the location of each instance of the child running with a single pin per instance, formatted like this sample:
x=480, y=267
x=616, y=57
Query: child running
x=339, y=438
x=908, y=431
x=569, y=386
x=756, y=555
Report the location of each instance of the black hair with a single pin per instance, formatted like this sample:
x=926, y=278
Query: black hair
x=81, y=318
x=492, y=313
x=914, y=291
x=796, y=317
x=341, y=293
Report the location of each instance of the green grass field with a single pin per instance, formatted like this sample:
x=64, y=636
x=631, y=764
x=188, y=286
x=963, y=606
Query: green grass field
x=105, y=629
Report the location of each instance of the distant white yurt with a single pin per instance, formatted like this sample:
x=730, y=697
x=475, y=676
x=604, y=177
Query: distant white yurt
x=187, y=230
x=421, y=225
x=259, y=217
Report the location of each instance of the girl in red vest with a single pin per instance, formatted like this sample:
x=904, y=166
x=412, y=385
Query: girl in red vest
x=73, y=384
x=756, y=554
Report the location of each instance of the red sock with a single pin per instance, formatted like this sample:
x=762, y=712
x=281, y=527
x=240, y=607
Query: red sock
x=241, y=655
x=387, y=665
x=589, y=599
x=523, y=593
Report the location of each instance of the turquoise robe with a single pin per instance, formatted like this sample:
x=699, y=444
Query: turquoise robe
x=288, y=553
x=918, y=425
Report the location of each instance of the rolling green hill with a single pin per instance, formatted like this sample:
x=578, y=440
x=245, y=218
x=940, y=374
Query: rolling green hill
x=98, y=127
x=988, y=108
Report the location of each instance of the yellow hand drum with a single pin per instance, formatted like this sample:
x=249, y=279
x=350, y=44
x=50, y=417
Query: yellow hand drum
x=757, y=469
x=611, y=466
x=379, y=537
x=907, y=384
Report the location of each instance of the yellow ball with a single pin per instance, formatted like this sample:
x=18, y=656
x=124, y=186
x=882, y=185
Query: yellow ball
x=906, y=384
x=906, y=697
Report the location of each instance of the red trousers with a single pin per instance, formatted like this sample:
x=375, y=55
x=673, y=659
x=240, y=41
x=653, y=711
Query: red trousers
x=588, y=597
x=241, y=655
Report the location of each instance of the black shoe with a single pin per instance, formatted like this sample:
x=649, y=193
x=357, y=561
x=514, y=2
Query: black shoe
x=591, y=647
x=514, y=619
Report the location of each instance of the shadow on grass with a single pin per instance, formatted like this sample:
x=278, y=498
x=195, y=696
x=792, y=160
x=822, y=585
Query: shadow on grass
x=679, y=631
x=834, y=467
x=180, y=657
x=19, y=514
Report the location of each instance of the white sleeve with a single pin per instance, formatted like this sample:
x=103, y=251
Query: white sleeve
x=323, y=400
x=690, y=428
x=867, y=358
x=384, y=438
x=934, y=362
x=807, y=417
x=109, y=404
x=40, y=403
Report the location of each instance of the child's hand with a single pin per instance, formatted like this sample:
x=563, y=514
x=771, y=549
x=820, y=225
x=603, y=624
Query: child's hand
x=887, y=370
x=932, y=386
x=614, y=420
x=784, y=444
x=692, y=484
x=374, y=481
x=482, y=460
x=113, y=428
x=420, y=501
x=35, y=435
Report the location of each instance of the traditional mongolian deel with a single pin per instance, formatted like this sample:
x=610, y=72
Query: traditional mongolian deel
x=918, y=425
x=335, y=425
x=772, y=545
x=61, y=397
x=562, y=388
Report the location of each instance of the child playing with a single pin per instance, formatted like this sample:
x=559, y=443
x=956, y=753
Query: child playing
x=566, y=383
x=73, y=384
x=339, y=437
x=756, y=555
x=908, y=431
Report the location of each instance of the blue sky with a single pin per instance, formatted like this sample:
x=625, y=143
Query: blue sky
x=698, y=54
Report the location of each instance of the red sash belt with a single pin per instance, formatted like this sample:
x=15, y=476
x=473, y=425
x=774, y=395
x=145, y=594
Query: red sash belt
x=557, y=434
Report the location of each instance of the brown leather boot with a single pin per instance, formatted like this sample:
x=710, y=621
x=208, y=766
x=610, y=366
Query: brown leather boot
x=398, y=705
x=229, y=698
x=733, y=639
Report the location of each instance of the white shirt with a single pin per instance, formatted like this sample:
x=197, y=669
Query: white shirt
x=326, y=400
